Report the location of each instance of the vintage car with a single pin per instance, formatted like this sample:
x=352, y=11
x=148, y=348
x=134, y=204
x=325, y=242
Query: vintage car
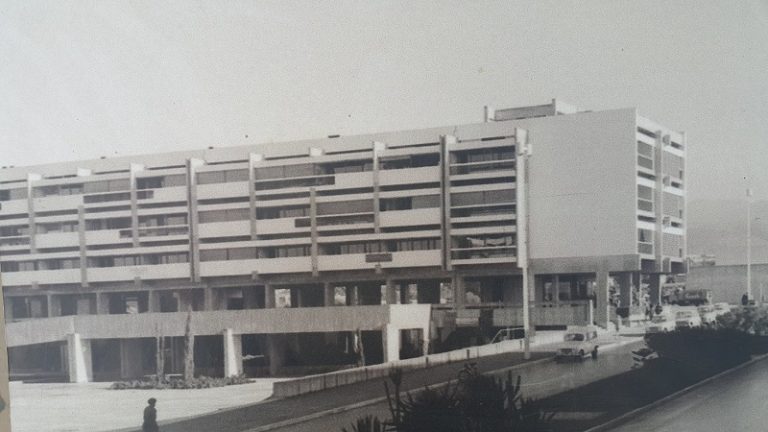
x=708, y=315
x=660, y=324
x=578, y=343
x=722, y=308
x=687, y=319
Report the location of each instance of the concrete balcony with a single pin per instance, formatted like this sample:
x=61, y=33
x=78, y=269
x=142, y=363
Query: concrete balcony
x=351, y=180
x=409, y=176
x=14, y=207
x=224, y=229
x=104, y=237
x=56, y=202
x=59, y=239
x=409, y=217
x=285, y=265
x=510, y=315
x=146, y=272
x=222, y=190
x=250, y=321
x=43, y=277
x=176, y=193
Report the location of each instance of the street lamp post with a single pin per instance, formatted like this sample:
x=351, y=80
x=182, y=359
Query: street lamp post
x=523, y=225
x=749, y=246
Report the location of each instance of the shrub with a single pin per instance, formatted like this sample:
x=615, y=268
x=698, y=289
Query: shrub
x=195, y=383
x=703, y=350
x=476, y=404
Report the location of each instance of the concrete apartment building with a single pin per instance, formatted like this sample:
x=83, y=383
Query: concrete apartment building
x=283, y=251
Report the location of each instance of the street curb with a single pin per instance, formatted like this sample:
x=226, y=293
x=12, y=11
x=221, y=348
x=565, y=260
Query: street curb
x=626, y=417
x=339, y=410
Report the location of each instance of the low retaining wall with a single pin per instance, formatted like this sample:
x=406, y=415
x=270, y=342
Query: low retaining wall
x=314, y=383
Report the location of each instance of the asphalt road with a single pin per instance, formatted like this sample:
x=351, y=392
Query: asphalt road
x=539, y=380
x=734, y=402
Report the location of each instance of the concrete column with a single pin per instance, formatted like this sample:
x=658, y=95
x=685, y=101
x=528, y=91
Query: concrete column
x=8, y=309
x=390, y=336
x=626, y=285
x=54, y=305
x=654, y=288
x=102, y=303
x=329, y=294
x=131, y=354
x=276, y=345
x=79, y=359
x=556, y=289
x=269, y=297
x=352, y=296
x=153, y=301
x=459, y=290
x=210, y=299
x=602, y=307
x=233, y=353
x=391, y=292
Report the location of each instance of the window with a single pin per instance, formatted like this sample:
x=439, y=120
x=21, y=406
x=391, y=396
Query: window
x=644, y=235
x=14, y=231
x=224, y=215
x=483, y=198
x=161, y=181
x=13, y=194
x=107, y=224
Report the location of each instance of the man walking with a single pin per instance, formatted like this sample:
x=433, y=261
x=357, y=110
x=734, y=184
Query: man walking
x=150, y=417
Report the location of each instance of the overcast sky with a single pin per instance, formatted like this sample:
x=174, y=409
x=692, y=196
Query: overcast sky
x=81, y=80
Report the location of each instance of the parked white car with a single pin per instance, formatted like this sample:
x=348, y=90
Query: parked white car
x=578, y=343
x=708, y=315
x=722, y=308
x=660, y=324
x=687, y=319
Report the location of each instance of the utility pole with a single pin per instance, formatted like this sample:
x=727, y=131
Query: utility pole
x=523, y=225
x=749, y=246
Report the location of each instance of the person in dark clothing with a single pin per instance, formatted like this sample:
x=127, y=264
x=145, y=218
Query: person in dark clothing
x=150, y=417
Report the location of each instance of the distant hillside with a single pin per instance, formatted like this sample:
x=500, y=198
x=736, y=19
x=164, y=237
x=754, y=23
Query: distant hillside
x=719, y=227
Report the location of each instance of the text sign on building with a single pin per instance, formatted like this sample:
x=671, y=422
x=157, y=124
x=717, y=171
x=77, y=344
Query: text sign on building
x=378, y=257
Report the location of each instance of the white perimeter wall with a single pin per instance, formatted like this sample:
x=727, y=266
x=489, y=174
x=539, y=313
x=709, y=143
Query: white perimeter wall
x=583, y=184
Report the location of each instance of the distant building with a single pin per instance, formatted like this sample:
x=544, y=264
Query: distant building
x=285, y=252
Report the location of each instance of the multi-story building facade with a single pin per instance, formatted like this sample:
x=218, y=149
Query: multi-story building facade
x=284, y=250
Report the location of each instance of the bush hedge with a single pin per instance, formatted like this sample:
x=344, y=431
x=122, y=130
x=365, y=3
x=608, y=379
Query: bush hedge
x=180, y=384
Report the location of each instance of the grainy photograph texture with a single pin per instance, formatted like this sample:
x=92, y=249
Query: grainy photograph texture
x=370, y=216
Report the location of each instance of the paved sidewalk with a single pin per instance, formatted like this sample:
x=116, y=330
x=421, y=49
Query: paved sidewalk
x=92, y=407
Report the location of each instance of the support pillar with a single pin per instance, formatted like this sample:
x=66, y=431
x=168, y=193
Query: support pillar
x=210, y=299
x=54, y=306
x=102, y=303
x=269, y=297
x=602, y=314
x=153, y=303
x=390, y=336
x=654, y=288
x=233, y=353
x=626, y=285
x=276, y=346
x=329, y=294
x=459, y=290
x=352, y=296
x=556, y=289
x=79, y=359
x=8, y=310
x=391, y=292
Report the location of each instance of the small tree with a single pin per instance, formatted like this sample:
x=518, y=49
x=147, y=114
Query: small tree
x=189, y=348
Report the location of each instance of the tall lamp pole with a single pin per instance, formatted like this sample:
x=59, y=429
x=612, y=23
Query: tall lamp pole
x=749, y=245
x=523, y=235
